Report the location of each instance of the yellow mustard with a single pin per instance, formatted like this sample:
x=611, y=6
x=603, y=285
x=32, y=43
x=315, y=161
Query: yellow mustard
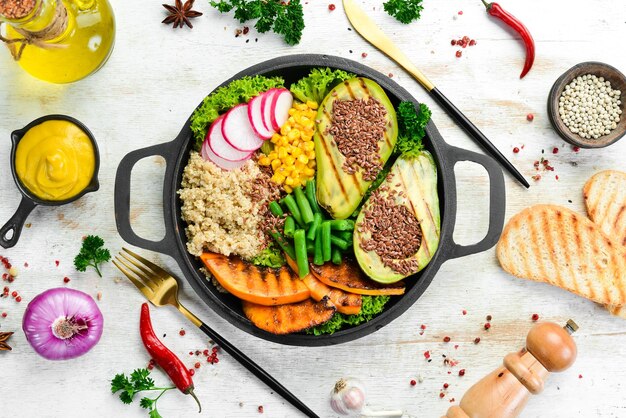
x=55, y=160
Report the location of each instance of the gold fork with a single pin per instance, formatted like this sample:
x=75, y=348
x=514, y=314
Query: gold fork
x=161, y=288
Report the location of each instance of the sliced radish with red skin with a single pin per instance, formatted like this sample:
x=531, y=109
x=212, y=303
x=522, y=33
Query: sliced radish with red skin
x=266, y=107
x=209, y=155
x=255, y=115
x=237, y=130
x=281, y=103
x=220, y=147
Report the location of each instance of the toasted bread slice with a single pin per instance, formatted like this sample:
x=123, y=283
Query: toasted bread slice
x=605, y=198
x=552, y=244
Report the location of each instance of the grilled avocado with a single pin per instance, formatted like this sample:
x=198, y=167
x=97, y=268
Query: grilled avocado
x=411, y=184
x=339, y=191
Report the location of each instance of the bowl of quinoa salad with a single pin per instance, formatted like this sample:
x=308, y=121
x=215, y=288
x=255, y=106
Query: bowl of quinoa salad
x=210, y=209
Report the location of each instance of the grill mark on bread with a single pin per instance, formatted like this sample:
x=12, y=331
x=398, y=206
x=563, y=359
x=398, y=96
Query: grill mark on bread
x=564, y=244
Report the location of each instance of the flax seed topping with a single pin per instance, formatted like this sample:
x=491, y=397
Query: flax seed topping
x=395, y=232
x=16, y=9
x=357, y=127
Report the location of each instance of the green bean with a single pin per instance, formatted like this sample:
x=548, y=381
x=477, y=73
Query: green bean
x=310, y=195
x=303, y=205
x=318, y=257
x=326, y=243
x=276, y=209
x=293, y=208
x=290, y=227
x=345, y=235
x=310, y=246
x=339, y=243
x=283, y=244
x=302, y=258
x=336, y=257
x=317, y=221
x=342, y=224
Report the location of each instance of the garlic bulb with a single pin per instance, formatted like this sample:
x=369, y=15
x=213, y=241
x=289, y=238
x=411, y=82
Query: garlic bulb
x=348, y=397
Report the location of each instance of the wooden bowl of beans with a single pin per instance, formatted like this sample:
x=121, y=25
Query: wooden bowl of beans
x=586, y=105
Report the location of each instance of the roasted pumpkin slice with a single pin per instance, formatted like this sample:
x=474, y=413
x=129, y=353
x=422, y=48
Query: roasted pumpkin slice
x=349, y=277
x=261, y=285
x=285, y=319
x=346, y=303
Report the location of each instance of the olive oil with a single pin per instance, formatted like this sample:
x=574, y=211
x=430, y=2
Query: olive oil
x=79, y=50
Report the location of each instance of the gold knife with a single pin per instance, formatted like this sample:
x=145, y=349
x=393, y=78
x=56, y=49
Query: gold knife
x=372, y=33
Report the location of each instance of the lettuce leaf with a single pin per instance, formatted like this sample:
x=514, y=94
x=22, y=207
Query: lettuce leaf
x=372, y=306
x=269, y=257
x=224, y=98
x=318, y=83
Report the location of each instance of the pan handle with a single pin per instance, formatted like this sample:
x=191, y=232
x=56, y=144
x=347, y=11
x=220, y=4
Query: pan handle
x=122, y=198
x=497, y=202
x=10, y=232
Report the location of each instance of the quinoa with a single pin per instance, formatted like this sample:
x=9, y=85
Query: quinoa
x=223, y=209
x=357, y=127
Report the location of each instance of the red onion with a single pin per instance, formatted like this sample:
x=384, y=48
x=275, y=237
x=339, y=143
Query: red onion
x=62, y=323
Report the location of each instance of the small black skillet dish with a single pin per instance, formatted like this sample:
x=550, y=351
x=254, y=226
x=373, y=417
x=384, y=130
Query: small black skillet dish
x=11, y=231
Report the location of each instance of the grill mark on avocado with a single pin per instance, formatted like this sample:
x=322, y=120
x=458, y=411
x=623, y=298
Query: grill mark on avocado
x=407, y=197
x=329, y=158
x=428, y=209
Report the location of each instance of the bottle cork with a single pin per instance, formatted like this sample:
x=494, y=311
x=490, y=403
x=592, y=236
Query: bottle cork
x=16, y=9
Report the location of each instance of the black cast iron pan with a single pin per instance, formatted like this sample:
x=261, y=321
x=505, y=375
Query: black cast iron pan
x=11, y=231
x=292, y=68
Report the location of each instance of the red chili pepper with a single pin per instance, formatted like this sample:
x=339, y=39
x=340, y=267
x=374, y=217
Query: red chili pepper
x=494, y=9
x=166, y=359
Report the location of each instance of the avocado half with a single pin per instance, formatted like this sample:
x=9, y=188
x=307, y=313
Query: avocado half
x=337, y=191
x=417, y=178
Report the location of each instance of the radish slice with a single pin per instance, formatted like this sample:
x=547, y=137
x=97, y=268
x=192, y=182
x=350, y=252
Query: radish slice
x=281, y=103
x=220, y=147
x=266, y=108
x=255, y=115
x=209, y=155
x=237, y=130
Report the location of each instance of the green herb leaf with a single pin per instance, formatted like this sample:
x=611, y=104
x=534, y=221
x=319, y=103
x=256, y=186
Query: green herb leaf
x=146, y=403
x=285, y=18
x=224, y=98
x=404, y=11
x=318, y=84
x=92, y=254
x=119, y=382
x=371, y=306
x=411, y=125
x=140, y=380
x=154, y=414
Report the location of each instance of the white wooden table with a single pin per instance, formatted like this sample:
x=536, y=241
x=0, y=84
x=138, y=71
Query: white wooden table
x=155, y=78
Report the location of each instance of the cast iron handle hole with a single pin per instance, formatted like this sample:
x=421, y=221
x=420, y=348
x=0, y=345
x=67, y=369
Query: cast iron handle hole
x=146, y=198
x=472, y=211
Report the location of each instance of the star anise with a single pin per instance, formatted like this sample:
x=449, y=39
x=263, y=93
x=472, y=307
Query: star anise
x=180, y=14
x=4, y=336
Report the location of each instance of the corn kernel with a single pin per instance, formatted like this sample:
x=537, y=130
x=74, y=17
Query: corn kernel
x=293, y=134
x=284, y=130
x=310, y=155
x=308, y=146
x=309, y=172
x=296, y=152
x=264, y=161
x=278, y=178
x=275, y=164
x=311, y=164
x=289, y=160
x=288, y=189
x=282, y=153
x=300, y=166
x=292, y=111
x=289, y=181
x=311, y=105
x=303, y=159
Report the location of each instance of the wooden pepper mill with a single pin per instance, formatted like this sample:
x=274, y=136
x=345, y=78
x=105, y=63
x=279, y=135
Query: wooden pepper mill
x=504, y=392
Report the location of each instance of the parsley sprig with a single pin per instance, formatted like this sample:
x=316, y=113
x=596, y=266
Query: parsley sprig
x=138, y=381
x=411, y=124
x=404, y=11
x=285, y=18
x=92, y=253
